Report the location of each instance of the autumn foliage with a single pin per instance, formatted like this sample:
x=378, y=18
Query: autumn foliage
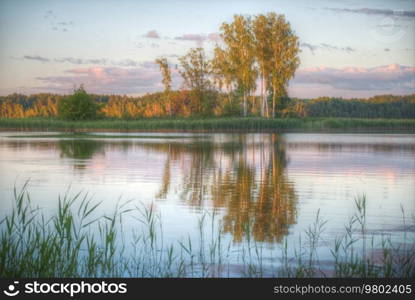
x=157, y=106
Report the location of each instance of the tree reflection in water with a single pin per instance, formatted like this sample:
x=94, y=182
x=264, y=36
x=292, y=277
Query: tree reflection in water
x=80, y=150
x=244, y=178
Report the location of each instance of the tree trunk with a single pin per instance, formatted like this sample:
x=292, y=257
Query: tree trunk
x=262, y=95
x=264, y=102
x=168, y=95
x=264, y=98
x=266, y=108
x=244, y=104
x=273, y=103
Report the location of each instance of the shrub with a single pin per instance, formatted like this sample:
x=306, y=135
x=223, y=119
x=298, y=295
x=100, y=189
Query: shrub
x=78, y=106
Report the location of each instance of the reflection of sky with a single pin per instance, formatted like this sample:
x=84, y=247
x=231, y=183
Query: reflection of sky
x=326, y=180
x=348, y=165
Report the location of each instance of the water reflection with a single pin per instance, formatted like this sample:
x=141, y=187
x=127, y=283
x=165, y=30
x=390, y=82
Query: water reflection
x=267, y=204
x=80, y=149
x=244, y=177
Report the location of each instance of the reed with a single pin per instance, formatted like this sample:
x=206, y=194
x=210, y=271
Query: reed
x=251, y=124
x=77, y=242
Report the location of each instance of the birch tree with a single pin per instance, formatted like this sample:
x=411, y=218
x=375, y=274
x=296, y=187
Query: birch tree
x=284, y=58
x=223, y=73
x=223, y=70
x=238, y=40
x=195, y=70
x=262, y=33
x=166, y=74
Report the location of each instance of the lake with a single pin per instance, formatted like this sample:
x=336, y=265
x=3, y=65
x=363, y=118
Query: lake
x=275, y=183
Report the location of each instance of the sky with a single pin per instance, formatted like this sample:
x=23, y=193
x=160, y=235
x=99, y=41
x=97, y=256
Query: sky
x=348, y=48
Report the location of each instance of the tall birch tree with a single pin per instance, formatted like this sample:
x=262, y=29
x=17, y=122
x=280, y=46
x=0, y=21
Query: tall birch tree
x=166, y=74
x=262, y=32
x=238, y=39
x=284, y=58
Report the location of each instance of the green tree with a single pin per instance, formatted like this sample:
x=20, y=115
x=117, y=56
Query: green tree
x=262, y=32
x=166, y=73
x=284, y=59
x=222, y=70
x=195, y=70
x=238, y=60
x=78, y=106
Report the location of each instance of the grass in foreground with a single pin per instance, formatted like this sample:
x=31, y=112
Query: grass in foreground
x=67, y=245
x=214, y=124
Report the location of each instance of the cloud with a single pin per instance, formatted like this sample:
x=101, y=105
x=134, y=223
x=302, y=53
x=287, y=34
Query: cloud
x=387, y=78
x=81, y=61
x=49, y=14
x=330, y=47
x=70, y=23
x=109, y=80
x=36, y=57
x=308, y=46
x=376, y=11
x=55, y=24
x=308, y=82
x=85, y=61
x=326, y=47
x=199, y=38
x=214, y=37
x=152, y=34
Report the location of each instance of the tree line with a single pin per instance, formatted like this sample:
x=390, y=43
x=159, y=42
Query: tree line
x=156, y=105
x=381, y=106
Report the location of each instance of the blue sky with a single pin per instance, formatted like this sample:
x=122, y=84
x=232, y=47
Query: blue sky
x=349, y=48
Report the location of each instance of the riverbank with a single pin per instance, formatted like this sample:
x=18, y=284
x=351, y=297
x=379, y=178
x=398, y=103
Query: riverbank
x=209, y=125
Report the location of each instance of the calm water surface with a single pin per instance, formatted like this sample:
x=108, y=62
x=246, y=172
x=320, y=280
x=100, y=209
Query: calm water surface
x=275, y=182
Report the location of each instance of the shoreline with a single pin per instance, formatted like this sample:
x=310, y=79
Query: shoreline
x=217, y=125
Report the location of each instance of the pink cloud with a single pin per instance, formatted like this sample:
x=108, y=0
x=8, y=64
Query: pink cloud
x=308, y=82
x=214, y=37
x=152, y=34
x=354, y=81
x=199, y=38
x=110, y=80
